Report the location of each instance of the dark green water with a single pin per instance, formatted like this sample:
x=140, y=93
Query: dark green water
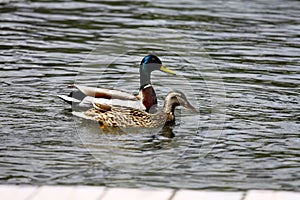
x=239, y=63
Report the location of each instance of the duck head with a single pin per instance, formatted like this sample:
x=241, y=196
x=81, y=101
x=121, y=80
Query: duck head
x=149, y=64
x=174, y=99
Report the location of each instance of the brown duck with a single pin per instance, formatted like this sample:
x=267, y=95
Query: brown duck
x=130, y=117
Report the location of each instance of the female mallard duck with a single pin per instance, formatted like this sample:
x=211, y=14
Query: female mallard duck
x=105, y=98
x=130, y=117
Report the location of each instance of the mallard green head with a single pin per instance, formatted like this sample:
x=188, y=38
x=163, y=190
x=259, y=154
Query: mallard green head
x=149, y=64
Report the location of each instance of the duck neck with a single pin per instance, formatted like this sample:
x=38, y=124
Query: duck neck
x=144, y=76
x=169, y=109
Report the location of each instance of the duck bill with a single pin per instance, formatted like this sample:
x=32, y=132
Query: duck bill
x=164, y=69
x=190, y=107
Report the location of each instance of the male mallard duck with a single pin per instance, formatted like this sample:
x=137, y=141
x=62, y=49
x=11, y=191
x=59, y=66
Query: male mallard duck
x=105, y=98
x=130, y=117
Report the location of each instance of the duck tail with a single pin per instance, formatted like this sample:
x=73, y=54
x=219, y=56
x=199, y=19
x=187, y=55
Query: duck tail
x=75, y=97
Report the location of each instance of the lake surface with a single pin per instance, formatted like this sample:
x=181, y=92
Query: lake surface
x=238, y=62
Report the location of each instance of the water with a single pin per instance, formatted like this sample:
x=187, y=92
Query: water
x=238, y=62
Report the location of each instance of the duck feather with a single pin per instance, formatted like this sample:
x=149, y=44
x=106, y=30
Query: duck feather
x=105, y=93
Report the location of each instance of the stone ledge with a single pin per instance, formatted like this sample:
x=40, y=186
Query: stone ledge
x=13, y=192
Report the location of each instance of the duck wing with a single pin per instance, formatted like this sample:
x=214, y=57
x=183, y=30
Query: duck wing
x=113, y=104
x=106, y=93
x=87, y=96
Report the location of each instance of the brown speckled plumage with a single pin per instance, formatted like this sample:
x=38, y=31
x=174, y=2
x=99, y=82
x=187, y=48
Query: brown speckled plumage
x=129, y=117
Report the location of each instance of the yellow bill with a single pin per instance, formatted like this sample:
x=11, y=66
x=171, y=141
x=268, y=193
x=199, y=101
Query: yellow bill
x=164, y=69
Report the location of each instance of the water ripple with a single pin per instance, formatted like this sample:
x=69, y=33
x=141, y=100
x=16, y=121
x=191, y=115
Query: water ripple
x=251, y=49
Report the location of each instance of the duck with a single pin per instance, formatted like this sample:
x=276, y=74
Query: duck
x=125, y=117
x=146, y=99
